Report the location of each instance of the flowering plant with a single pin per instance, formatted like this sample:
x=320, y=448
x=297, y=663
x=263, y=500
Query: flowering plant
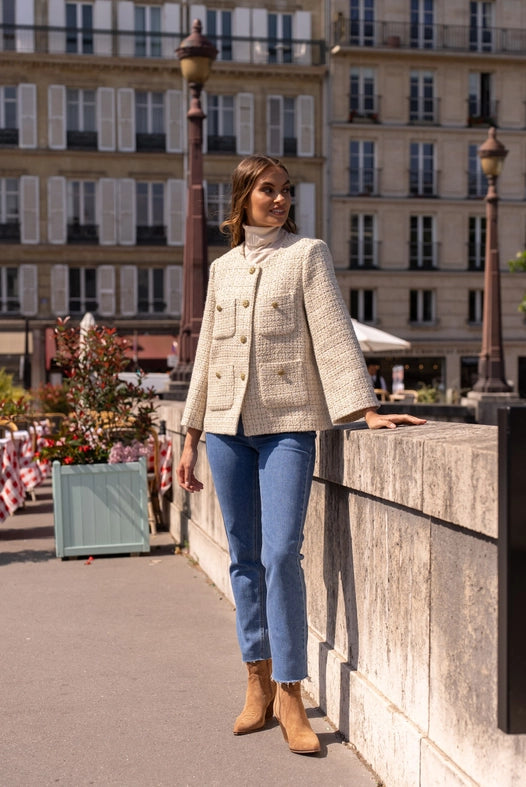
x=103, y=409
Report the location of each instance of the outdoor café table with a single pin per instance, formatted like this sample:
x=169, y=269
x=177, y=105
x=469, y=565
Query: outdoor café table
x=12, y=490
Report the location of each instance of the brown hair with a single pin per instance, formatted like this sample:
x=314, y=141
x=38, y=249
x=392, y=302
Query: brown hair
x=244, y=178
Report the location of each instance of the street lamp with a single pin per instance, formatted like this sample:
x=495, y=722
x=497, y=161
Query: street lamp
x=196, y=55
x=491, y=377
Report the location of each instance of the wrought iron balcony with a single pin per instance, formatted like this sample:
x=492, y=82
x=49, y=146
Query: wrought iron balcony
x=424, y=256
x=364, y=254
x=8, y=137
x=151, y=236
x=10, y=232
x=83, y=233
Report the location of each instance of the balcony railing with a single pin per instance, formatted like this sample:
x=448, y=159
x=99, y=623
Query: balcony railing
x=9, y=136
x=83, y=233
x=446, y=38
x=364, y=182
x=151, y=236
x=423, y=256
x=10, y=232
x=129, y=43
x=364, y=254
x=364, y=109
x=423, y=183
x=424, y=111
x=483, y=113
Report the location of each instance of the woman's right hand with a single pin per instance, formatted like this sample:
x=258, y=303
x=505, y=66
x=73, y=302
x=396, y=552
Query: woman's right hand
x=185, y=468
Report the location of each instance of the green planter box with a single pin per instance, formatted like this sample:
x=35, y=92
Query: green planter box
x=100, y=509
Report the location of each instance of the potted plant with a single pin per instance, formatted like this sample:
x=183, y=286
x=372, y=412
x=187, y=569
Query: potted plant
x=100, y=488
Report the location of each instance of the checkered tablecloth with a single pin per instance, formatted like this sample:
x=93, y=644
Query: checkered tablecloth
x=165, y=463
x=12, y=490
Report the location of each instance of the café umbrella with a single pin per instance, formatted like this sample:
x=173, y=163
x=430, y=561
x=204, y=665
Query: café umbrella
x=372, y=339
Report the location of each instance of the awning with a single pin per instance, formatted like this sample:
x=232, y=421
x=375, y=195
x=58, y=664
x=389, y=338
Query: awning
x=14, y=342
x=148, y=346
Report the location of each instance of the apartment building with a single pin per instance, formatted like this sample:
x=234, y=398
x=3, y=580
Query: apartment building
x=414, y=86
x=93, y=161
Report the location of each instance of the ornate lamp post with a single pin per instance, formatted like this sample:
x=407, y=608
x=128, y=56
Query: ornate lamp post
x=491, y=377
x=195, y=55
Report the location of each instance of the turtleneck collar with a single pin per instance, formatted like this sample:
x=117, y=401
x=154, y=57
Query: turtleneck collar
x=259, y=237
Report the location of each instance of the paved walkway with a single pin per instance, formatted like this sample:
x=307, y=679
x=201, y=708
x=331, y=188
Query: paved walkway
x=126, y=672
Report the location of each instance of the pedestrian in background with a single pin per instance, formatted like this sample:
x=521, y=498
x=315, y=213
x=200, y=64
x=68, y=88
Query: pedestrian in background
x=277, y=360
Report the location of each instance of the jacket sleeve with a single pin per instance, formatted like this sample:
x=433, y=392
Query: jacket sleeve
x=194, y=411
x=345, y=381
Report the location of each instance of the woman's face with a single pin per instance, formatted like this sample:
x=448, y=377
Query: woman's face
x=269, y=201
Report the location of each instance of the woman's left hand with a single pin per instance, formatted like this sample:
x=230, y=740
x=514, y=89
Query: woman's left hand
x=376, y=421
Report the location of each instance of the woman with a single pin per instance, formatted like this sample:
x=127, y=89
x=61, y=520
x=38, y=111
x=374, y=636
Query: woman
x=277, y=360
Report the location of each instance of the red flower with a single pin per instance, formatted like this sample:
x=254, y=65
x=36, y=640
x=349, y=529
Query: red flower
x=68, y=460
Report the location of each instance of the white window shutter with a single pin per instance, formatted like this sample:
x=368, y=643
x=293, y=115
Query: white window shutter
x=25, y=15
x=106, y=118
x=102, y=21
x=245, y=123
x=126, y=119
x=56, y=210
x=275, y=125
x=106, y=290
x=305, y=125
x=56, y=15
x=56, y=109
x=174, y=290
x=241, y=29
x=260, y=34
x=171, y=27
x=128, y=287
x=198, y=12
x=30, y=209
x=126, y=212
x=27, y=115
x=28, y=290
x=175, y=207
x=175, y=119
x=126, y=24
x=107, y=204
x=60, y=290
x=302, y=31
x=305, y=198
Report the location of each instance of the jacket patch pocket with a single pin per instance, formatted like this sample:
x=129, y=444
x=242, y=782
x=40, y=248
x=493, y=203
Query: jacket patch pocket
x=224, y=320
x=283, y=384
x=221, y=387
x=276, y=316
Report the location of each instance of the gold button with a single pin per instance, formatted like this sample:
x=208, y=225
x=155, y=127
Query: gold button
x=245, y=304
x=243, y=339
x=242, y=375
x=281, y=372
x=218, y=374
x=219, y=308
x=275, y=305
x=252, y=270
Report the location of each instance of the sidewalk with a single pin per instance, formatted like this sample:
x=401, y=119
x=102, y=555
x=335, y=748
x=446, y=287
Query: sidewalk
x=126, y=672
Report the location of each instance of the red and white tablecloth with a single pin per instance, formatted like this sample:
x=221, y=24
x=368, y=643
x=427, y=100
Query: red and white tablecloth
x=165, y=463
x=19, y=472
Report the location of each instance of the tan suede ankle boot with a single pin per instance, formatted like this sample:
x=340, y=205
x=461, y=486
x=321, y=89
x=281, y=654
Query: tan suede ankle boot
x=259, y=698
x=295, y=726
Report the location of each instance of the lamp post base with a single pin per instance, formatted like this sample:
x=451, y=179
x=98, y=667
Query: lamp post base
x=487, y=405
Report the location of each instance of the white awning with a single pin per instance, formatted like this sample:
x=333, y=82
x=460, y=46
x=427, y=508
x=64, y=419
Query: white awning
x=14, y=342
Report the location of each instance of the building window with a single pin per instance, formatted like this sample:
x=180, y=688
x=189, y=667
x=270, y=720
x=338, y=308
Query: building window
x=362, y=168
x=481, y=26
x=422, y=170
x=8, y=116
x=363, y=99
x=422, y=245
x=8, y=31
x=219, y=32
x=422, y=306
x=362, y=23
x=81, y=119
x=422, y=104
x=279, y=35
x=477, y=243
x=363, y=305
x=150, y=291
x=9, y=295
x=147, y=31
x=82, y=290
x=221, y=135
x=149, y=121
x=81, y=212
x=422, y=24
x=476, y=306
x=477, y=182
x=363, y=246
x=481, y=106
x=285, y=125
x=151, y=229
x=9, y=210
x=218, y=208
x=79, y=28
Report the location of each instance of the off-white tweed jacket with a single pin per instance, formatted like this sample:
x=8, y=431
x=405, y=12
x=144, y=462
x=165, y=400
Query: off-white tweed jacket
x=277, y=346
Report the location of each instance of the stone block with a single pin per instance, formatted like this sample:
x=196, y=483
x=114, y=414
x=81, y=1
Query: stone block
x=438, y=771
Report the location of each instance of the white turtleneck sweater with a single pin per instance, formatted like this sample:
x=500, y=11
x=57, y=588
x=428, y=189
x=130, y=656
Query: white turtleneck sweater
x=260, y=241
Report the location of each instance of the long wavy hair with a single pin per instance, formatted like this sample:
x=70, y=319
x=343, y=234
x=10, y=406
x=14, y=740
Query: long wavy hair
x=244, y=178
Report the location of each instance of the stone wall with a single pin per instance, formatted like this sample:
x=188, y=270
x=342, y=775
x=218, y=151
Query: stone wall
x=401, y=570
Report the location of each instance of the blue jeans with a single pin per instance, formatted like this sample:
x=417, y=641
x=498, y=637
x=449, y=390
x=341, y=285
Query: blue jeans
x=263, y=485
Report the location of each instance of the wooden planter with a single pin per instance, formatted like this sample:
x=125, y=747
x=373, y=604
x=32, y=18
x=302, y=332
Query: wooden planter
x=100, y=509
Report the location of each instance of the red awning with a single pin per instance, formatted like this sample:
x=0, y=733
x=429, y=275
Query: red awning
x=148, y=346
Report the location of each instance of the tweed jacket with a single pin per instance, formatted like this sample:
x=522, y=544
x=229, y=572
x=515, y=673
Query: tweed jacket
x=276, y=346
